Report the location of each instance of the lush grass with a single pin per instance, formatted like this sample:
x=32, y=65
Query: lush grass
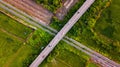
x=91, y=64
x=108, y=27
x=8, y=46
x=27, y=52
x=12, y=36
x=18, y=59
x=72, y=59
x=14, y=27
x=110, y=24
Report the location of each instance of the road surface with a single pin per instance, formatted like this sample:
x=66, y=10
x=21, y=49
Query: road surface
x=62, y=33
x=68, y=40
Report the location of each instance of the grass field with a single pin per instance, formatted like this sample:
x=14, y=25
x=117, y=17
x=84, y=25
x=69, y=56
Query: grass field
x=12, y=37
x=109, y=23
x=8, y=46
x=14, y=27
x=108, y=29
x=25, y=54
x=91, y=64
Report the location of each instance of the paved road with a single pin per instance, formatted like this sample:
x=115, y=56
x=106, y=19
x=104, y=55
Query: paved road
x=62, y=33
x=68, y=40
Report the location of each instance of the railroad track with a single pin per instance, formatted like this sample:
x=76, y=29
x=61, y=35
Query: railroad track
x=52, y=31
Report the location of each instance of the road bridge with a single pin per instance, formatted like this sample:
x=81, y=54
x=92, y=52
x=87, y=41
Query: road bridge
x=62, y=33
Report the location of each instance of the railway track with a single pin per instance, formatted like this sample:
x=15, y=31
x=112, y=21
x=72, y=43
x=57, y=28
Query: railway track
x=52, y=31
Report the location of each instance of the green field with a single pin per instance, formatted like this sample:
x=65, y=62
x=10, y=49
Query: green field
x=12, y=37
x=108, y=29
x=109, y=23
x=13, y=27
x=26, y=53
x=91, y=64
x=8, y=46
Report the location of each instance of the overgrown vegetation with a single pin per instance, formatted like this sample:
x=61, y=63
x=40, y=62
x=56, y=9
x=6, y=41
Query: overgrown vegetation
x=103, y=39
x=108, y=29
x=51, y=5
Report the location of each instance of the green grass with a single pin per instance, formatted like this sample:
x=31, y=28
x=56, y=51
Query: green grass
x=109, y=23
x=72, y=59
x=57, y=63
x=12, y=36
x=108, y=30
x=25, y=53
x=18, y=58
x=14, y=27
x=8, y=46
x=91, y=64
